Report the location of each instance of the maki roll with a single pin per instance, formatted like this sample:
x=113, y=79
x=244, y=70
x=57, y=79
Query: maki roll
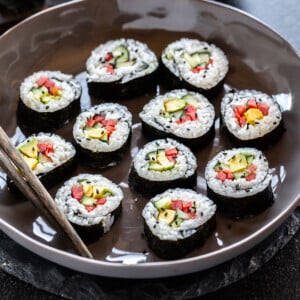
x=163, y=164
x=182, y=115
x=178, y=221
x=194, y=65
x=102, y=134
x=49, y=156
x=121, y=68
x=251, y=119
x=91, y=203
x=48, y=99
x=239, y=181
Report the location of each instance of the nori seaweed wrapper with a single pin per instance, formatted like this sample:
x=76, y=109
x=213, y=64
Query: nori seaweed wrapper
x=247, y=206
x=177, y=249
x=150, y=188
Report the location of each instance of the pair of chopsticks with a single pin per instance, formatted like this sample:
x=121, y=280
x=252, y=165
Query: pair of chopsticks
x=26, y=181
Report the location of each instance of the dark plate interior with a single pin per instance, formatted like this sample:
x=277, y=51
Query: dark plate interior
x=62, y=38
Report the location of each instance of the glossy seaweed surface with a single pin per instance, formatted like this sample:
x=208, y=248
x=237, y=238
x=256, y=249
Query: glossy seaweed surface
x=72, y=31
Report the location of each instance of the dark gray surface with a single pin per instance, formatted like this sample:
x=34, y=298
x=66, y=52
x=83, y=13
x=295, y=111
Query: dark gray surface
x=279, y=278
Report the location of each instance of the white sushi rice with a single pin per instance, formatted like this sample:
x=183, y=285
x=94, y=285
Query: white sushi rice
x=265, y=125
x=190, y=129
x=205, y=209
x=63, y=151
x=185, y=166
x=239, y=187
x=70, y=91
x=112, y=111
x=77, y=213
x=173, y=59
x=138, y=51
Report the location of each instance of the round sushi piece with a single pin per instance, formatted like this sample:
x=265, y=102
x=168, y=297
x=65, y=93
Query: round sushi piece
x=163, y=164
x=239, y=181
x=186, y=116
x=102, y=134
x=91, y=203
x=251, y=118
x=49, y=156
x=121, y=68
x=48, y=99
x=194, y=65
x=178, y=221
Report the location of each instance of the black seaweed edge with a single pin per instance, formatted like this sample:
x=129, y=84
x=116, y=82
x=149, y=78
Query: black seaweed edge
x=101, y=160
x=31, y=121
x=170, y=81
x=261, y=143
x=150, y=188
x=92, y=233
x=118, y=90
x=167, y=249
x=243, y=207
x=153, y=133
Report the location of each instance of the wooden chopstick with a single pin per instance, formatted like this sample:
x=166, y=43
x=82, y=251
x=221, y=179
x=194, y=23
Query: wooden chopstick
x=30, y=185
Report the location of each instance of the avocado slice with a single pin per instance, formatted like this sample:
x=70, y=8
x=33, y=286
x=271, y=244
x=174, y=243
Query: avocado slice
x=159, y=162
x=238, y=163
x=122, y=64
x=43, y=158
x=181, y=214
x=197, y=58
x=96, y=132
x=163, y=203
x=101, y=191
x=31, y=162
x=121, y=54
x=174, y=104
x=167, y=216
x=88, y=201
x=30, y=149
x=191, y=100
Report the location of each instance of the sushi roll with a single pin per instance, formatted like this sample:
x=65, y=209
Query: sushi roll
x=102, y=134
x=91, y=203
x=163, y=164
x=121, y=68
x=239, y=181
x=48, y=99
x=186, y=116
x=194, y=65
x=251, y=119
x=49, y=156
x=177, y=222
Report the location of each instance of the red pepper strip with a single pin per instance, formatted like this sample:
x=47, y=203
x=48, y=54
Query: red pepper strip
x=99, y=119
x=240, y=109
x=176, y=204
x=171, y=154
x=210, y=61
x=45, y=148
x=197, y=69
x=191, y=215
x=90, y=123
x=77, y=192
x=108, y=56
x=242, y=121
x=221, y=176
x=101, y=201
x=229, y=174
x=250, y=177
x=252, y=103
x=186, y=205
x=42, y=81
x=251, y=168
x=49, y=84
x=264, y=108
x=109, y=68
x=89, y=207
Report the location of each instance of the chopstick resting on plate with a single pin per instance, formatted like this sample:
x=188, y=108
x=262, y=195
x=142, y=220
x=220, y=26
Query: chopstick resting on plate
x=27, y=182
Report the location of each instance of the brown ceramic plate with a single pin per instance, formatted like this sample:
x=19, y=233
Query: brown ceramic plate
x=62, y=38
